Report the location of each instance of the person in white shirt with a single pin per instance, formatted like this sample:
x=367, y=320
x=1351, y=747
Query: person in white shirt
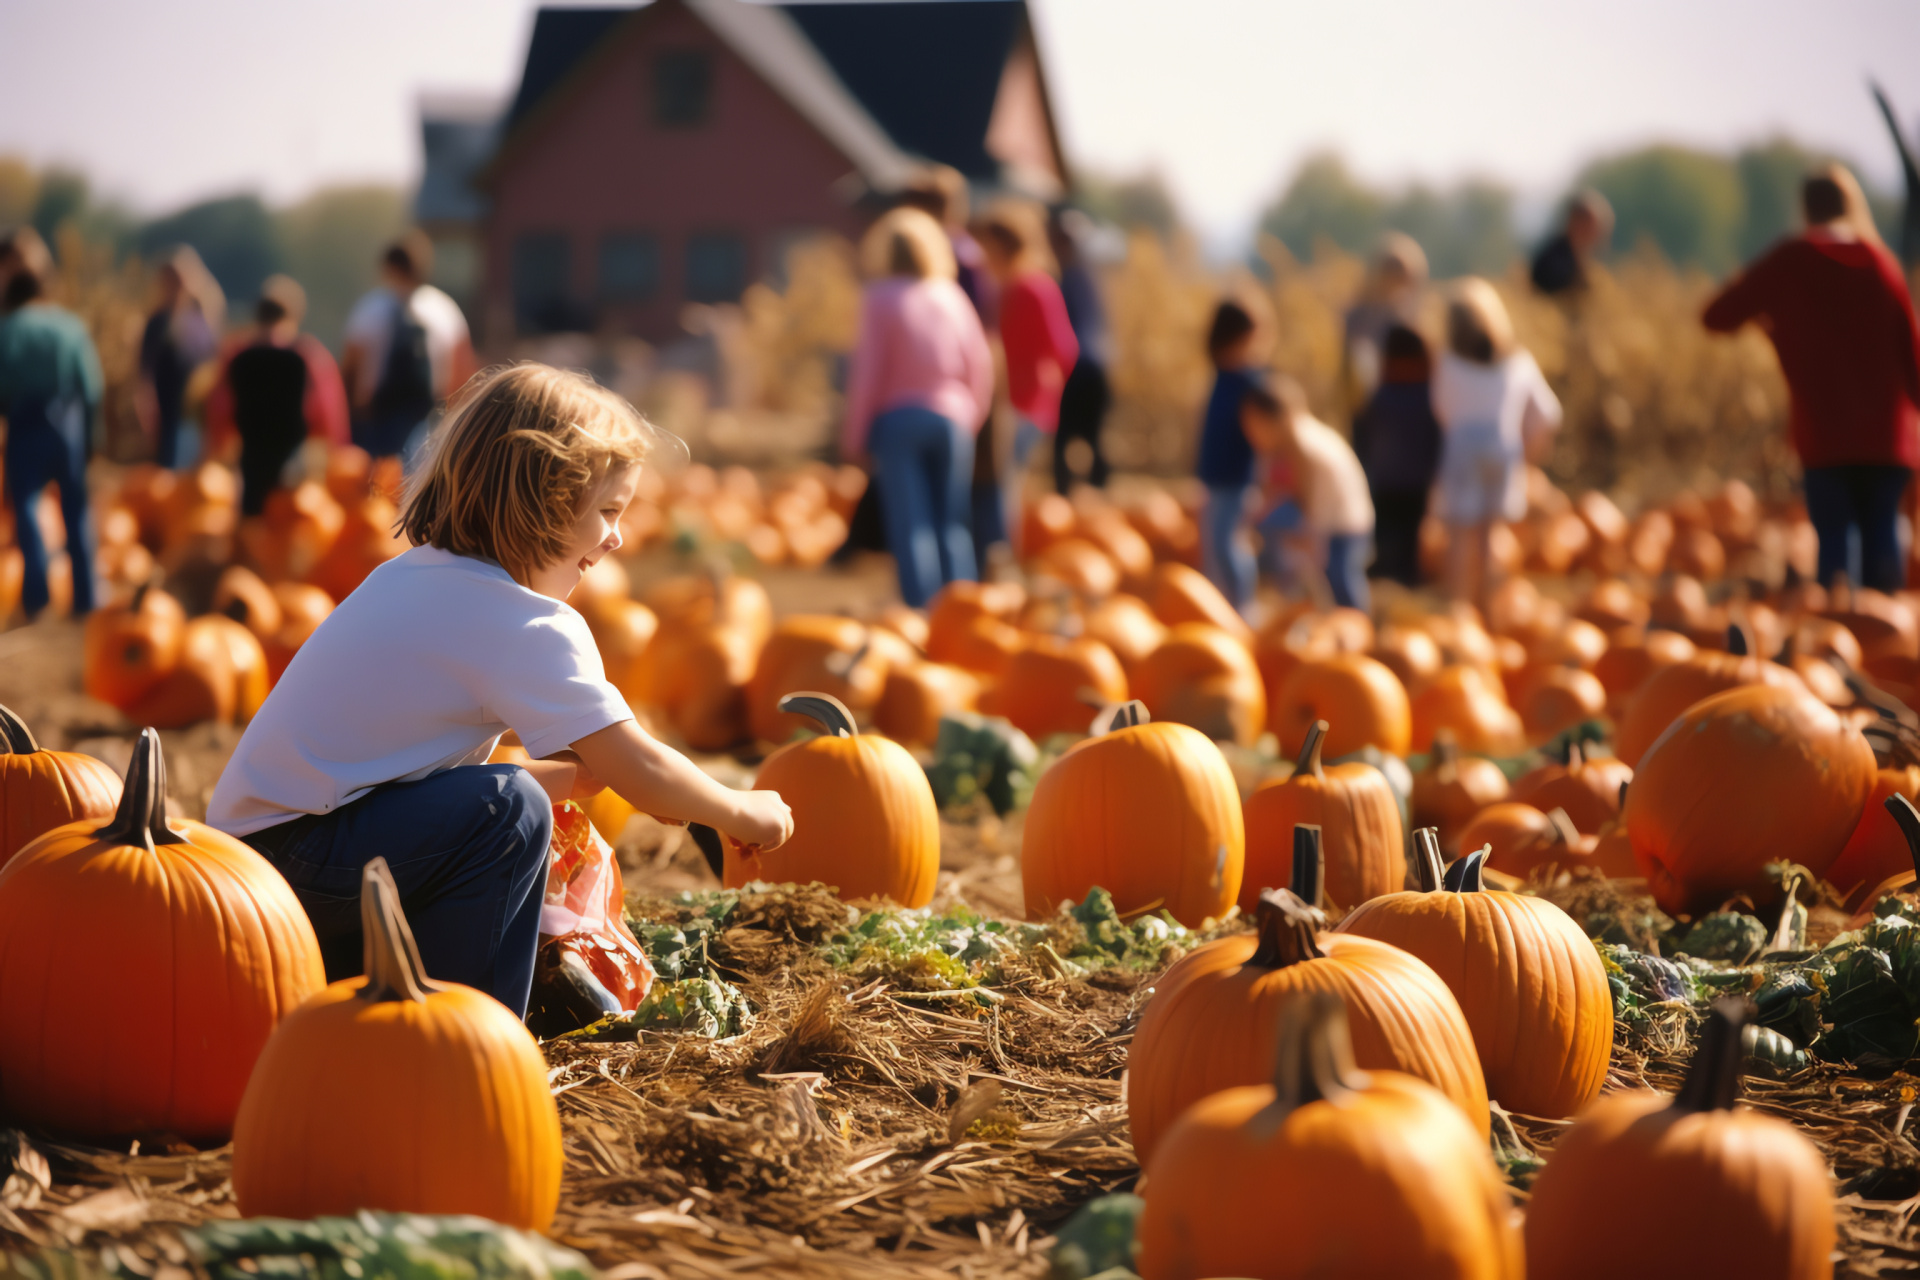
x=407, y=350
x=1496, y=411
x=1329, y=487
x=374, y=742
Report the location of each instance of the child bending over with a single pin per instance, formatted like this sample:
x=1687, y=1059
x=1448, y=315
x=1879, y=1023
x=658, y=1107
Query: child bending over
x=374, y=742
x=1331, y=505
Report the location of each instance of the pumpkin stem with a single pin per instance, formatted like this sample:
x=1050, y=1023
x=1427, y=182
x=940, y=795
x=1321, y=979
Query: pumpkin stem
x=1123, y=715
x=1309, y=759
x=1575, y=758
x=1309, y=882
x=15, y=738
x=1465, y=875
x=823, y=709
x=1623, y=796
x=1315, y=1061
x=1446, y=754
x=1564, y=832
x=1713, y=1080
x=841, y=665
x=1288, y=928
x=1739, y=639
x=394, y=971
x=141, y=818
x=1428, y=868
x=1909, y=820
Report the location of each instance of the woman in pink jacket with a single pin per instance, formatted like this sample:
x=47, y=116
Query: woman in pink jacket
x=920, y=384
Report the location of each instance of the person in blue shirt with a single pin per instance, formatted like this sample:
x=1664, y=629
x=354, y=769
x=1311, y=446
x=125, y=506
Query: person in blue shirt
x=1398, y=440
x=50, y=391
x=1085, y=399
x=1226, y=458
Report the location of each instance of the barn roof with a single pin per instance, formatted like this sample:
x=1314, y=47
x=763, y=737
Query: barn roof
x=457, y=135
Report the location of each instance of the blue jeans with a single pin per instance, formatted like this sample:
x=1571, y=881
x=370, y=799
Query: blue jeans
x=1225, y=555
x=925, y=466
x=47, y=442
x=1347, y=570
x=1013, y=485
x=468, y=849
x=1863, y=497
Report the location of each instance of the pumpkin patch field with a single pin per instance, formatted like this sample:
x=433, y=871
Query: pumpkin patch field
x=1574, y=936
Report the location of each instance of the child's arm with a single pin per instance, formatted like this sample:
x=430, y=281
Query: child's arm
x=656, y=779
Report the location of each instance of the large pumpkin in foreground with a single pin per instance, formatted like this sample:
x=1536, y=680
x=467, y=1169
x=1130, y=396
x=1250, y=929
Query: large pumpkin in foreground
x=1671, y=689
x=864, y=820
x=142, y=966
x=1744, y=778
x=41, y=790
x=1327, y=1171
x=395, y=1092
x=1148, y=812
x=1214, y=1015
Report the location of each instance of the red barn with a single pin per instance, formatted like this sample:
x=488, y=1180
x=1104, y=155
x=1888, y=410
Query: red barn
x=669, y=154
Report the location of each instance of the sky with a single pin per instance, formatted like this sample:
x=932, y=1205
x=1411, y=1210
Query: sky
x=164, y=103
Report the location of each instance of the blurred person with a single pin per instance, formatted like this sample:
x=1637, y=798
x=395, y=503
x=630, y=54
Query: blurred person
x=1085, y=398
x=1036, y=337
x=1225, y=463
x=1838, y=312
x=940, y=191
x=50, y=392
x=1330, y=507
x=407, y=349
x=22, y=249
x=277, y=388
x=1397, y=439
x=1396, y=281
x=182, y=333
x=919, y=384
x=1561, y=265
x=1496, y=411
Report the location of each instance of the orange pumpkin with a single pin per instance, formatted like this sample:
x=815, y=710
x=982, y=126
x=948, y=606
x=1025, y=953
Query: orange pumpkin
x=1106, y=528
x=1505, y=827
x=129, y=648
x=1739, y=778
x=464, y=1124
x=1054, y=685
x=1561, y=698
x=41, y=790
x=967, y=625
x=1453, y=788
x=1181, y=594
x=1613, y=604
x=864, y=820
x=715, y=598
x=812, y=651
x=1877, y=850
x=1671, y=690
x=1561, y=848
x=240, y=594
x=249, y=661
x=1200, y=675
x=1587, y=787
x=294, y=533
x=1359, y=820
x=1081, y=567
x=302, y=609
x=1532, y=987
x=916, y=697
x=695, y=672
x=1212, y=1020
x=1363, y=700
x=1125, y=625
x=1468, y=703
x=1326, y=1171
x=366, y=540
x=1412, y=655
x=1048, y=519
x=1633, y=655
x=1637, y=1156
x=204, y=683
x=622, y=630
x=909, y=624
x=1148, y=812
x=200, y=942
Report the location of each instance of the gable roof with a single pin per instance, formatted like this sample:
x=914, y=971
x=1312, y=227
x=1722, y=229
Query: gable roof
x=929, y=71
x=562, y=38
x=457, y=136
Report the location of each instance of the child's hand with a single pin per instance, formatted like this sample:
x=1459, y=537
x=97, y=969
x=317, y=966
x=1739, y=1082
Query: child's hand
x=762, y=821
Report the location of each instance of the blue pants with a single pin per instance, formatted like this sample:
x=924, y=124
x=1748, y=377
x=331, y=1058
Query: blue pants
x=1863, y=497
x=1225, y=555
x=1347, y=570
x=925, y=467
x=47, y=442
x=468, y=849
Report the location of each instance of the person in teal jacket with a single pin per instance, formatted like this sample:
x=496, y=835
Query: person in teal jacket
x=50, y=389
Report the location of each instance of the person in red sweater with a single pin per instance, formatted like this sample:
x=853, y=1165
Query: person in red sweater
x=1837, y=310
x=1036, y=334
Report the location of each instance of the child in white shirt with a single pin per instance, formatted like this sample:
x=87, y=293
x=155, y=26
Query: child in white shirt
x=1334, y=507
x=374, y=742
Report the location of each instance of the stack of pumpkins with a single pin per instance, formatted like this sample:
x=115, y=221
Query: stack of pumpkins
x=224, y=1024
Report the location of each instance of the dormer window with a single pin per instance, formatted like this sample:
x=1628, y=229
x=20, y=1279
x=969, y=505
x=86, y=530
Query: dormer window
x=682, y=88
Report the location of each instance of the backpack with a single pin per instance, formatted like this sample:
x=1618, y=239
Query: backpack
x=406, y=379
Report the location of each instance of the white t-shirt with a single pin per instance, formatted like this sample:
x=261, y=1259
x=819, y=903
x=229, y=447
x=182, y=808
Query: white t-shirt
x=1511, y=395
x=1333, y=486
x=370, y=327
x=419, y=670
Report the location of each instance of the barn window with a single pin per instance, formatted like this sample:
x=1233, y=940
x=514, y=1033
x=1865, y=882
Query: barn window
x=682, y=88
x=542, y=267
x=716, y=267
x=629, y=266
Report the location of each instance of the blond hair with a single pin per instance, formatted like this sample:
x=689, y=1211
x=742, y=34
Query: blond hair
x=1478, y=327
x=907, y=242
x=521, y=451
